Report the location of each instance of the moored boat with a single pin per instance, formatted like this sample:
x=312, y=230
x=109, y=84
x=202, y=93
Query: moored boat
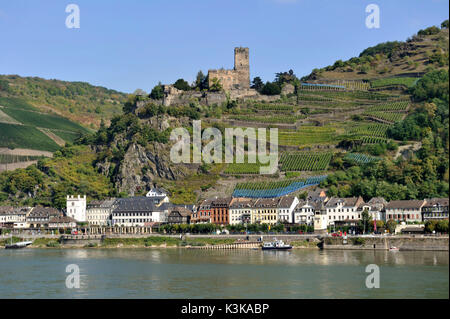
x=18, y=245
x=276, y=245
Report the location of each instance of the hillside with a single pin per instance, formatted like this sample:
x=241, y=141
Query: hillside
x=426, y=50
x=42, y=115
x=80, y=102
x=382, y=135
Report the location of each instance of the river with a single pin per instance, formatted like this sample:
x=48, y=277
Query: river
x=190, y=273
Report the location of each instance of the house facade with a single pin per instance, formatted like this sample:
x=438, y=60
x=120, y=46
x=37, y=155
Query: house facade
x=265, y=211
x=405, y=210
x=220, y=211
x=343, y=210
x=202, y=214
x=376, y=207
x=285, y=209
x=179, y=215
x=435, y=209
x=99, y=212
x=139, y=211
x=241, y=211
x=39, y=217
x=305, y=211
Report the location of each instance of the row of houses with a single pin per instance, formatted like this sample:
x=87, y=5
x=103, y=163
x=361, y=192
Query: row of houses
x=155, y=208
x=34, y=218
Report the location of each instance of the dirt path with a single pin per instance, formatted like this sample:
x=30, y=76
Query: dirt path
x=53, y=136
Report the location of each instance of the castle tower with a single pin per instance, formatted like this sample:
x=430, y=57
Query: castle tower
x=242, y=67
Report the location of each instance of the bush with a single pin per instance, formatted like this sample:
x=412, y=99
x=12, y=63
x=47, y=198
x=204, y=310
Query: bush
x=52, y=244
x=358, y=241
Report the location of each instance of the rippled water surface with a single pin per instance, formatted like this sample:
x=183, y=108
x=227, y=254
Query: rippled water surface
x=185, y=273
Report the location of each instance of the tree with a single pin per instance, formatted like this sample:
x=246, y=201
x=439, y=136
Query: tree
x=201, y=81
x=216, y=85
x=271, y=88
x=257, y=84
x=365, y=219
x=390, y=225
x=181, y=84
x=157, y=92
x=444, y=25
x=285, y=77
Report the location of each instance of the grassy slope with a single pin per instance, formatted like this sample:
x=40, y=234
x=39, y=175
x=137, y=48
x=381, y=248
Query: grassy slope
x=79, y=101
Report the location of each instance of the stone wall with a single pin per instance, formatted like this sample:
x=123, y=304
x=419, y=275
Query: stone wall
x=385, y=242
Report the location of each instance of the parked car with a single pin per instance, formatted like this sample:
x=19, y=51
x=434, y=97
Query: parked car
x=336, y=234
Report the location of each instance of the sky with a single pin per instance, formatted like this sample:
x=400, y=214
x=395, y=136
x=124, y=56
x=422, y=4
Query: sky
x=130, y=44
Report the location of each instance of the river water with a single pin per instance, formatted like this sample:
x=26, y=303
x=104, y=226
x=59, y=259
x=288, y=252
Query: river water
x=190, y=273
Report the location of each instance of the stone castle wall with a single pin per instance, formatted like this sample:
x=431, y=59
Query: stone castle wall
x=239, y=77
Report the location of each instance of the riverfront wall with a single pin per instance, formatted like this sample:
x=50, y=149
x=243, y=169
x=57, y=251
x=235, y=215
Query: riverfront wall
x=384, y=243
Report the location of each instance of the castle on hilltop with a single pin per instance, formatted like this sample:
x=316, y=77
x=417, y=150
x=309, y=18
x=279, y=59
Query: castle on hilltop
x=237, y=78
x=235, y=85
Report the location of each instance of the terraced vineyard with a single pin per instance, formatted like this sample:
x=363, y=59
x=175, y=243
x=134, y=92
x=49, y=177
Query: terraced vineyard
x=385, y=116
x=8, y=158
x=352, y=95
x=361, y=158
x=306, y=135
x=273, y=107
x=305, y=161
x=378, y=130
x=283, y=119
x=405, y=81
x=244, y=168
x=394, y=106
x=274, y=189
x=22, y=121
x=21, y=136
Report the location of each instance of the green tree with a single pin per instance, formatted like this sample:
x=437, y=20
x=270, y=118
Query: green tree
x=390, y=225
x=157, y=92
x=257, y=84
x=271, y=88
x=216, y=85
x=181, y=84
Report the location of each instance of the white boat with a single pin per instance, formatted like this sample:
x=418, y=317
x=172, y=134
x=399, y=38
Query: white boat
x=275, y=245
x=20, y=244
x=393, y=248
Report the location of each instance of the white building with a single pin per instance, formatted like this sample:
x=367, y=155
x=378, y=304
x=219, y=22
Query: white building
x=139, y=211
x=304, y=213
x=376, y=208
x=285, y=209
x=240, y=211
x=343, y=210
x=76, y=207
x=158, y=194
x=99, y=212
x=9, y=214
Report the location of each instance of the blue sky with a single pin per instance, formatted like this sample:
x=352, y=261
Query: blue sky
x=131, y=44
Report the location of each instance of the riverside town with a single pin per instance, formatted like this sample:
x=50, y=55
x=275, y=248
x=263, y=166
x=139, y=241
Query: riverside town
x=217, y=153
